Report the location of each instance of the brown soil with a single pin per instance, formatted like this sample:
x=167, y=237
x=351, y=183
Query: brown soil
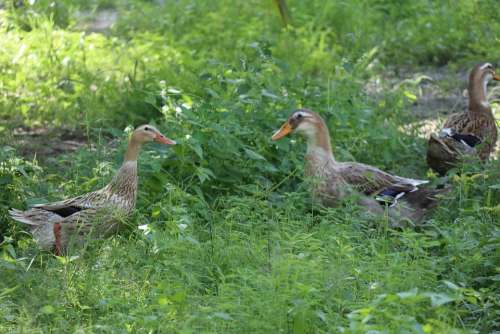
x=44, y=142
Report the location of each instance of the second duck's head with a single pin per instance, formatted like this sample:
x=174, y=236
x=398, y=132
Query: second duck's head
x=311, y=126
x=148, y=133
x=303, y=121
x=482, y=73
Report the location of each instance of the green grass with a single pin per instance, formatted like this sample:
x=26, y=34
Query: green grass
x=233, y=243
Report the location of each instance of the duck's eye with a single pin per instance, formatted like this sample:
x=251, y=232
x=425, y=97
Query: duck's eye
x=146, y=129
x=299, y=116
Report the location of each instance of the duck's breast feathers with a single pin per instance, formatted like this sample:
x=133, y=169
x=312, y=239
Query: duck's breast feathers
x=482, y=126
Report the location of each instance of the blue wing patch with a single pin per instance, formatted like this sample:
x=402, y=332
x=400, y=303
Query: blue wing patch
x=389, y=197
x=469, y=140
x=466, y=139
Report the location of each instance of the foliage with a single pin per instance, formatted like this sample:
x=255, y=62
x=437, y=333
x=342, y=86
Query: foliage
x=17, y=178
x=229, y=240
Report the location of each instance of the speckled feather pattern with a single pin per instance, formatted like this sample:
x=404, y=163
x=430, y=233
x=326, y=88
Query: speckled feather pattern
x=119, y=194
x=327, y=185
x=479, y=123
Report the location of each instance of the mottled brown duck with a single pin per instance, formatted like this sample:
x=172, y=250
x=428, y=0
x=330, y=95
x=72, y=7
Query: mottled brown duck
x=57, y=225
x=472, y=133
x=332, y=181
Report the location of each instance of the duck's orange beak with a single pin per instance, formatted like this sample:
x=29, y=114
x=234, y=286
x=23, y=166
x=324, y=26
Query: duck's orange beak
x=164, y=140
x=285, y=129
x=496, y=76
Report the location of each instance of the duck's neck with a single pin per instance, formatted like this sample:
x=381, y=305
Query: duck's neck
x=123, y=187
x=125, y=181
x=477, y=94
x=319, y=150
x=132, y=151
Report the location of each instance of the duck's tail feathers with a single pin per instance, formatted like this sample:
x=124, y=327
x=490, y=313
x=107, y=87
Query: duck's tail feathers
x=34, y=217
x=21, y=217
x=441, y=153
x=415, y=182
x=423, y=197
x=426, y=198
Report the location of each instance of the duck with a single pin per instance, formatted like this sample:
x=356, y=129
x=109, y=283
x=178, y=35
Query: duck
x=471, y=133
x=402, y=199
x=57, y=225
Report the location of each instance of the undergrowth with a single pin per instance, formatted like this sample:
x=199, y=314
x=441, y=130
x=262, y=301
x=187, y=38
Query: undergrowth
x=230, y=241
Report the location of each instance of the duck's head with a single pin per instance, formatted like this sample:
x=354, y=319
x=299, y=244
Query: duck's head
x=148, y=133
x=303, y=121
x=482, y=73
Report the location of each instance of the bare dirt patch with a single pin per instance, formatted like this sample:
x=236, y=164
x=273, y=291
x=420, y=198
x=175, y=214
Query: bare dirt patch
x=45, y=142
x=99, y=22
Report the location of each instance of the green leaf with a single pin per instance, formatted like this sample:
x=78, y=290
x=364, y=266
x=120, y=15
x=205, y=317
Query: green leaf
x=198, y=150
x=7, y=265
x=12, y=252
x=47, y=309
x=7, y=291
x=438, y=299
x=451, y=285
x=408, y=294
x=223, y=315
x=253, y=155
x=269, y=95
x=6, y=179
x=212, y=93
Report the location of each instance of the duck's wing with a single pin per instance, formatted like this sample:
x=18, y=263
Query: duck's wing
x=371, y=180
x=389, y=190
x=458, y=121
x=71, y=206
x=471, y=131
x=100, y=221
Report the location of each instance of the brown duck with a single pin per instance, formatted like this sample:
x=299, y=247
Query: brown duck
x=470, y=133
x=334, y=180
x=58, y=224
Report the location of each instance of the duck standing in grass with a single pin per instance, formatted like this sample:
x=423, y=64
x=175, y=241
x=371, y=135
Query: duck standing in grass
x=469, y=133
x=334, y=180
x=56, y=225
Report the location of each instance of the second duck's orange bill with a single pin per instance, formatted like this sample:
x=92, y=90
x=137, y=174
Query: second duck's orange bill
x=164, y=140
x=285, y=129
x=496, y=77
